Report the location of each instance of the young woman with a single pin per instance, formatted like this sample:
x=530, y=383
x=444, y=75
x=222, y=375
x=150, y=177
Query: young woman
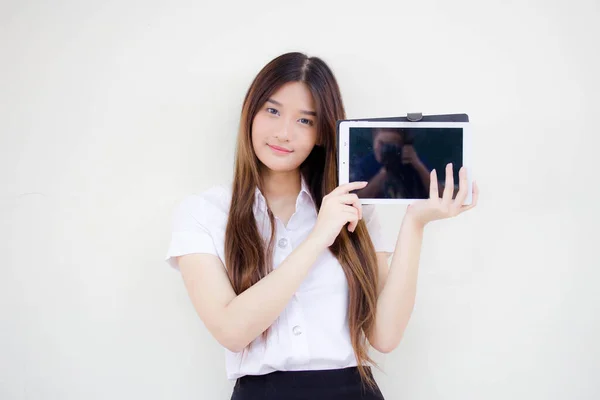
x=286, y=269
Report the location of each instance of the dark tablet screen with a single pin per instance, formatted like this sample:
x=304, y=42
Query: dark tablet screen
x=397, y=161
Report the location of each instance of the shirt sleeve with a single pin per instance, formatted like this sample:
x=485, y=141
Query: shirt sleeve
x=190, y=232
x=381, y=241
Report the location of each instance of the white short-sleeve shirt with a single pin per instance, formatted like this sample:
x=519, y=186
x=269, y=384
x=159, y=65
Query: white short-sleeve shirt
x=312, y=332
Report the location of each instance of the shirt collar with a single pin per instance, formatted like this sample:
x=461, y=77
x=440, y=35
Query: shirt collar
x=260, y=202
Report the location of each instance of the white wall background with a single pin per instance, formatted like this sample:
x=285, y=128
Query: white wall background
x=112, y=111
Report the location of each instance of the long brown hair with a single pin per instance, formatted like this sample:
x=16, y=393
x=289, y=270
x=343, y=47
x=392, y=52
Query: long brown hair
x=248, y=259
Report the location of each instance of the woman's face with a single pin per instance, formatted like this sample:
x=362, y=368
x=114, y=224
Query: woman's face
x=284, y=129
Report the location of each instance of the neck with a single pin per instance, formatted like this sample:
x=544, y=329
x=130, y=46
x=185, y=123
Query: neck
x=279, y=185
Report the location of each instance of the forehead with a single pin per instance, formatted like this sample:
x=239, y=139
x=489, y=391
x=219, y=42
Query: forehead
x=294, y=95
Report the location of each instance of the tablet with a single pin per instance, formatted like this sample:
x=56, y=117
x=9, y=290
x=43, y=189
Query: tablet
x=396, y=158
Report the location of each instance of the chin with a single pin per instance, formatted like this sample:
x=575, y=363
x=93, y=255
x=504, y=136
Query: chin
x=278, y=165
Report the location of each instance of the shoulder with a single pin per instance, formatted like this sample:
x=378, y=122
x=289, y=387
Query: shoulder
x=206, y=206
x=216, y=196
x=198, y=224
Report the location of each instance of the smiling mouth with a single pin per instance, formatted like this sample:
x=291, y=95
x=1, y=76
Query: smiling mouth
x=279, y=149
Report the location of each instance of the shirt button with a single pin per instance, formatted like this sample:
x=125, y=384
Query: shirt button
x=282, y=242
x=297, y=330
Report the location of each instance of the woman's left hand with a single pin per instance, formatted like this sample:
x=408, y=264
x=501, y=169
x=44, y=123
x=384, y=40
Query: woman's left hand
x=434, y=208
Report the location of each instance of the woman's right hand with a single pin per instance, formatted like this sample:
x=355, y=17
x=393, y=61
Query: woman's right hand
x=340, y=207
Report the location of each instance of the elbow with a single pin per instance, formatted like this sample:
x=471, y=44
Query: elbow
x=231, y=338
x=231, y=342
x=384, y=348
x=234, y=347
x=386, y=345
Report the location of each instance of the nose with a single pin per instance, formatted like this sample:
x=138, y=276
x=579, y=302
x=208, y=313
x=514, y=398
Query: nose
x=283, y=130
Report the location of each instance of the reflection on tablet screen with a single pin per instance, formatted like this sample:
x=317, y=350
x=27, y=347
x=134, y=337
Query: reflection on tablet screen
x=397, y=162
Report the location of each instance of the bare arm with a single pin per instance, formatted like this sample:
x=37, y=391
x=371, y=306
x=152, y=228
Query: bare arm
x=398, y=290
x=235, y=321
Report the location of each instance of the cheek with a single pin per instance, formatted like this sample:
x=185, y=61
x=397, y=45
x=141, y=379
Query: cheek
x=307, y=141
x=260, y=132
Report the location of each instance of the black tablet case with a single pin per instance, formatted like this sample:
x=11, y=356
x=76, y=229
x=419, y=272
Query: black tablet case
x=410, y=117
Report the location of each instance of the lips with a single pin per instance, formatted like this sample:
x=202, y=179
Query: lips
x=281, y=149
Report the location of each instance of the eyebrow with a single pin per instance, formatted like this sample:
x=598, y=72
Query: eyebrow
x=314, y=114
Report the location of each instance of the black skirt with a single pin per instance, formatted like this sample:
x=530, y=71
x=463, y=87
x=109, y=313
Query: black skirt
x=334, y=384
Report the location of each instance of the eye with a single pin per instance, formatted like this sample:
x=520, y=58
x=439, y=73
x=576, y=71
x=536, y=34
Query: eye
x=269, y=110
x=307, y=121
